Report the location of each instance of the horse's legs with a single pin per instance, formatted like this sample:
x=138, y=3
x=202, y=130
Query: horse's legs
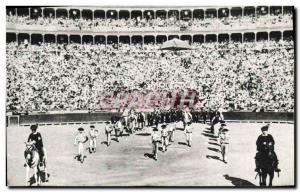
x=35, y=170
x=27, y=175
x=264, y=178
x=45, y=168
x=271, y=175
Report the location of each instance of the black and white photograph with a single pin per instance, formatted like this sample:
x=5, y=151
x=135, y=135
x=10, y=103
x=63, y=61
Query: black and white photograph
x=150, y=96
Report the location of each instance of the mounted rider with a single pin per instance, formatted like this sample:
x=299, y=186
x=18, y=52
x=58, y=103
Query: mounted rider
x=36, y=139
x=264, y=142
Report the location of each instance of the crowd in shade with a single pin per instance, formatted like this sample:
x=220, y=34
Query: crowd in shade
x=138, y=23
x=233, y=76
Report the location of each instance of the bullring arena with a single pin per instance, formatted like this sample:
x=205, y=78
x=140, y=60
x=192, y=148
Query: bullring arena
x=126, y=163
x=72, y=67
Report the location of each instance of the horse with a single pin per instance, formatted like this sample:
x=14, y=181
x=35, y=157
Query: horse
x=33, y=161
x=267, y=167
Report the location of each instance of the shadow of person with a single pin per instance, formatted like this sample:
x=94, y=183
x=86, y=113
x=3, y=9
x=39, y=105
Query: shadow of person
x=238, y=182
x=213, y=149
x=180, y=129
x=182, y=143
x=213, y=139
x=216, y=144
x=208, y=135
x=149, y=155
x=213, y=157
x=143, y=134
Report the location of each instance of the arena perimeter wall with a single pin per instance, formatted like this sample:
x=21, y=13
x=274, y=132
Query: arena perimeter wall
x=79, y=118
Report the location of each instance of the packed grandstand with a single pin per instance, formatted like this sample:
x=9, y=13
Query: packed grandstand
x=71, y=58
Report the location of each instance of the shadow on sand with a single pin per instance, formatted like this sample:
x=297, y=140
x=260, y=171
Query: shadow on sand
x=238, y=182
x=143, y=134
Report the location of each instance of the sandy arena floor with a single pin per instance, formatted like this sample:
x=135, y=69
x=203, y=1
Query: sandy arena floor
x=126, y=163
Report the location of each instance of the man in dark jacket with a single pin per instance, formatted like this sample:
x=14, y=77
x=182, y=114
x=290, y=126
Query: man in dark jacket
x=264, y=143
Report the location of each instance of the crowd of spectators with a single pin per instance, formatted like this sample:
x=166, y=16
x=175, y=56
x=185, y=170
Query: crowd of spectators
x=158, y=24
x=234, y=76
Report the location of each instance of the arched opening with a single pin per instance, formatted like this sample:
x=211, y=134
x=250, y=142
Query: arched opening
x=124, y=39
x=198, y=38
x=49, y=13
x=236, y=11
x=23, y=38
x=23, y=12
x=161, y=39
x=223, y=38
x=74, y=14
x=61, y=13
x=185, y=14
x=11, y=37
x=173, y=14
x=137, y=39
x=136, y=14
x=149, y=39
x=275, y=10
x=49, y=38
x=236, y=37
x=173, y=37
x=162, y=14
x=288, y=10
x=123, y=14
x=100, y=39
x=249, y=37
x=35, y=12
x=210, y=38
x=99, y=14
x=288, y=35
x=275, y=35
x=36, y=39
x=87, y=39
x=249, y=11
x=223, y=12
x=62, y=39
x=262, y=10
x=198, y=14
x=112, y=40
x=149, y=14
x=75, y=39
x=210, y=13
x=87, y=14
x=10, y=11
x=186, y=38
x=111, y=14
x=262, y=36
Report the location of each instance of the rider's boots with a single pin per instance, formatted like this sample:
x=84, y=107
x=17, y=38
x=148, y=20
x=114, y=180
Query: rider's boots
x=276, y=169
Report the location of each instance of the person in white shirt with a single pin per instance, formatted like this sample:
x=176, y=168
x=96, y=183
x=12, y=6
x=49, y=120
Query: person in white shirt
x=93, y=139
x=80, y=139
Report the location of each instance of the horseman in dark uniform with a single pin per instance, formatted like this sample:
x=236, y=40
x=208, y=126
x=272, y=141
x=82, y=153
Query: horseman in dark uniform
x=36, y=139
x=264, y=142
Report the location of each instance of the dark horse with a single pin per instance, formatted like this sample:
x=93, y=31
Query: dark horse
x=267, y=167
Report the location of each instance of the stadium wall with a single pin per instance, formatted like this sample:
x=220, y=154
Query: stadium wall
x=82, y=118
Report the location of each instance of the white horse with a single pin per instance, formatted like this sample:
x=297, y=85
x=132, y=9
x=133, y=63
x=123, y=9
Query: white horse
x=32, y=161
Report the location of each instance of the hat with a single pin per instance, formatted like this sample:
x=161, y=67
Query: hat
x=265, y=128
x=33, y=127
x=80, y=129
x=92, y=126
x=223, y=124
